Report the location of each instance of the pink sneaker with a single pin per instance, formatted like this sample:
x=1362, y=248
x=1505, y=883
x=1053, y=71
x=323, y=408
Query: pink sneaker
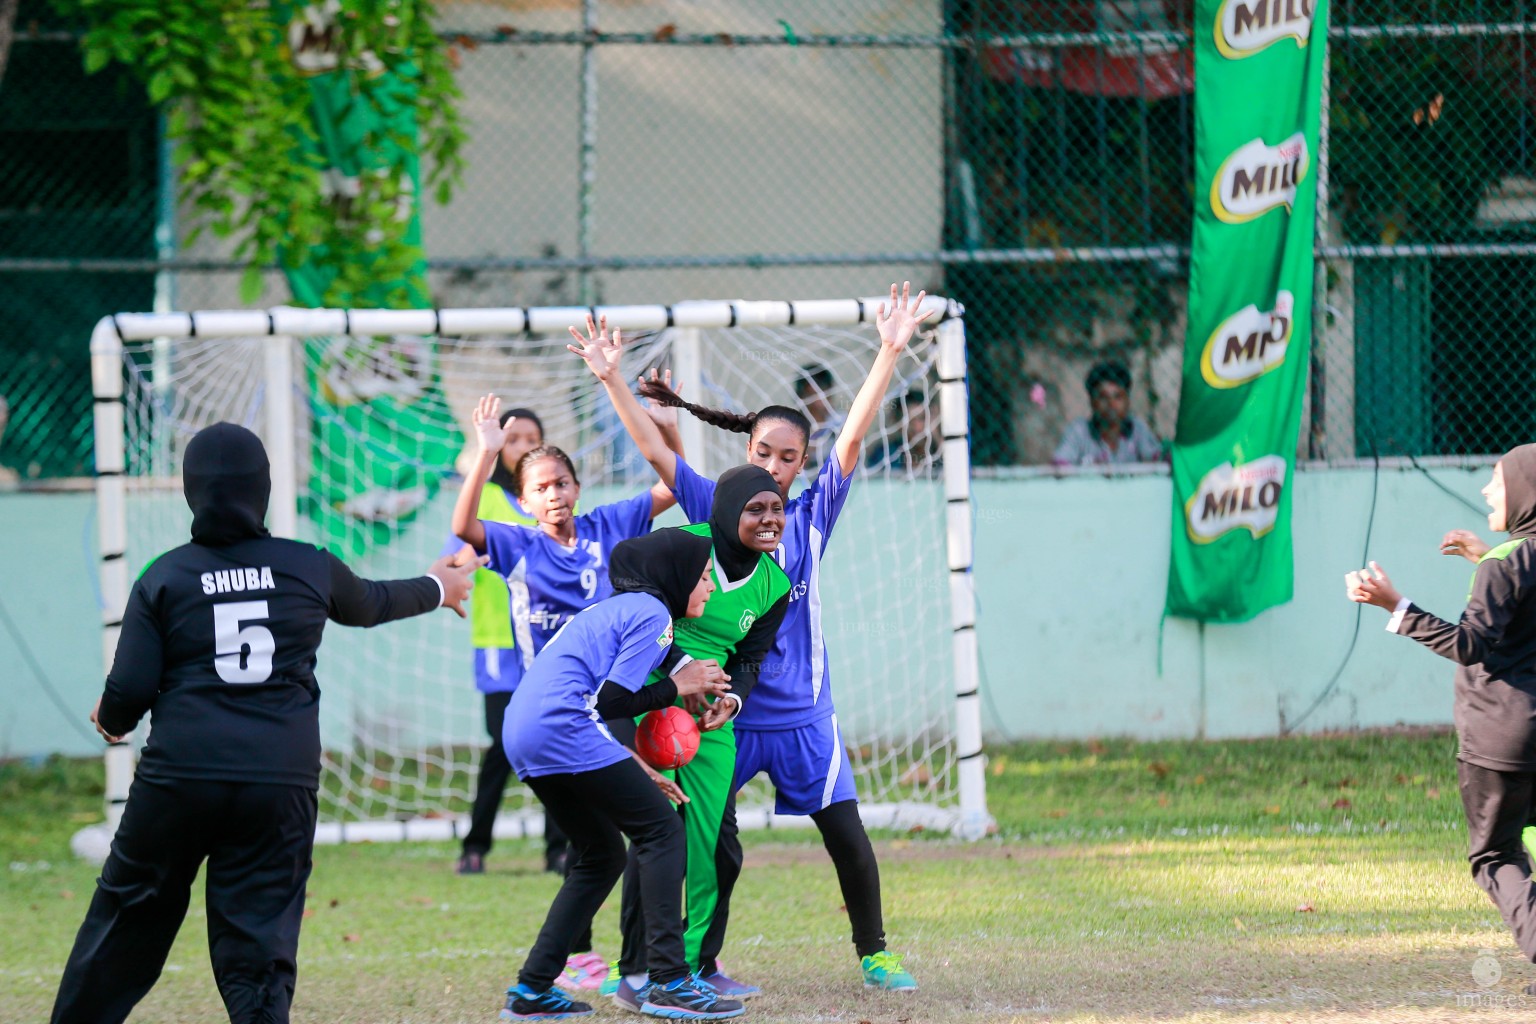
x=583, y=971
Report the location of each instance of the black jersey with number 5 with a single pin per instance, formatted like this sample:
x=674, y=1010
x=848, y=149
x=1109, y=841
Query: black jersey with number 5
x=220, y=643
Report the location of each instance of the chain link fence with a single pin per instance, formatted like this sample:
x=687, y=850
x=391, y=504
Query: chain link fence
x=1032, y=160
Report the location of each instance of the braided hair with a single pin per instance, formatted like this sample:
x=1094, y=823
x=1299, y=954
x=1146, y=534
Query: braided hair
x=737, y=422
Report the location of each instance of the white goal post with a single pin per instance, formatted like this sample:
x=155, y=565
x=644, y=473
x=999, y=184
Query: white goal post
x=401, y=751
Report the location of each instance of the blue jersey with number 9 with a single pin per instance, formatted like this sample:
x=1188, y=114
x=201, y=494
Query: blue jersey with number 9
x=549, y=582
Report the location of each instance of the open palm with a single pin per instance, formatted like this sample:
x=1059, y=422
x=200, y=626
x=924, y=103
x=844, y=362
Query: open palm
x=899, y=321
x=663, y=416
x=601, y=352
x=487, y=421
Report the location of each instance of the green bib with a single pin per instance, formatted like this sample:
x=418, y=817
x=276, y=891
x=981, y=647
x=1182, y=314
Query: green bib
x=1502, y=551
x=490, y=606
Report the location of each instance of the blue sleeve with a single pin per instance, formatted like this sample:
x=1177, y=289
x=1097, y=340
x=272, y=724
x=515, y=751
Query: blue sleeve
x=505, y=543
x=622, y=519
x=826, y=498
x=644, y=642
x=451, y=545
x=695, y=494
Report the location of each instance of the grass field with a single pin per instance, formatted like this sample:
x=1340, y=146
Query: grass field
x=1277, y=880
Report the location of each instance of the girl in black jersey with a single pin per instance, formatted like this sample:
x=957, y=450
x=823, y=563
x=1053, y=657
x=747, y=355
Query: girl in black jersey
x=218, y=640
x=1494, y=647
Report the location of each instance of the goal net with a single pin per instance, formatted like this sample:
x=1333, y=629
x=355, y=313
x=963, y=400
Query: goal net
x=365, y=414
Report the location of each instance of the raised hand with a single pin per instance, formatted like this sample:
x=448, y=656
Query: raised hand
x=664, y=416
x=487, y=421
x=601, y=352
x=898, y=323
x=1371, y=586
x=1464, y=543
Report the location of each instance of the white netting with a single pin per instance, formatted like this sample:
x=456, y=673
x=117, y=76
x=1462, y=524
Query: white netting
x=402, y=724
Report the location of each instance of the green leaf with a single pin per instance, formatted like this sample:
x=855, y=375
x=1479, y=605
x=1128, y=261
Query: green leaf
x=251, y=284
x=160, y=86
x=96, y=58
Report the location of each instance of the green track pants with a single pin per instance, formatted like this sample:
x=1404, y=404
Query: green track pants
x=714, y=857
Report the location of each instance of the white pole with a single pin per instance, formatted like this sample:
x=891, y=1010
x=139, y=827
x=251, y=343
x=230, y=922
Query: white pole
x=282, y=450
x=954, y=419
x=688, y=373
x=112, y=538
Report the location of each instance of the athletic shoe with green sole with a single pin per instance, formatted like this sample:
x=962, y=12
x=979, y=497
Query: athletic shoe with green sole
x=611, y=983
x=884, y=970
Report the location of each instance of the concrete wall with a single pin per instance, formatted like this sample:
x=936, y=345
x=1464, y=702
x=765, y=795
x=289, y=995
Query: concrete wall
x=1070, y=575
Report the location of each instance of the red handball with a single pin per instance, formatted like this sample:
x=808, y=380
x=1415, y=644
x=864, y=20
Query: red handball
x=667, y=739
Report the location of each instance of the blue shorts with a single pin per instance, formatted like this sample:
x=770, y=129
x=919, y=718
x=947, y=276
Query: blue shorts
x=808, y=766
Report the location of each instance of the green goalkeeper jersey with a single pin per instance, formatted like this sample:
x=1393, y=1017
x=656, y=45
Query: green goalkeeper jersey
x=731, y=610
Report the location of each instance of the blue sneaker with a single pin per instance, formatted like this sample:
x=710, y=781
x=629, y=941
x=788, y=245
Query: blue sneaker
x=610, y=984
x=724, y=985
x=884, y=970
x=627, y=997
x=685, y=1000
x=523, y=1003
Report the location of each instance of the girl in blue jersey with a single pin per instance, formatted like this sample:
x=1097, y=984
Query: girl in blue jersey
x=551, y=570
x=788, y=728
x=596, y=667
x=498, y=665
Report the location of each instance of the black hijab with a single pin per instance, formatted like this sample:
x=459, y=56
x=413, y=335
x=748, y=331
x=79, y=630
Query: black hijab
x=501, y=476
x=666, y=564
x=227, y=480
x=1520, y=491
x=736, y=487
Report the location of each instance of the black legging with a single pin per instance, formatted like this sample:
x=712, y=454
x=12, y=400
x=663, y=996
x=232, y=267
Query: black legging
x=858, y=875
x=495, y=770
x=596, y=810
x=257, y=840
x=1498, y=807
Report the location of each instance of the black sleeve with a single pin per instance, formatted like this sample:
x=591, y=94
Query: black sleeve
x=613, y=701
x=359, y=602
x=1496, y=594
x=134, y=681
x=747, y=660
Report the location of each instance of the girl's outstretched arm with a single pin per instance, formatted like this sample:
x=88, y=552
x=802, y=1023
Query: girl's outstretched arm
x=492, y=435
x=602, y=357
x=896, y=328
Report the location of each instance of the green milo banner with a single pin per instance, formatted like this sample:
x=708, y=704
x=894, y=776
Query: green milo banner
x=383, y=436
x=1258, y=89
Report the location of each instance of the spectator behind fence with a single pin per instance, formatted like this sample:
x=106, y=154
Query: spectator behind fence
x=1111, y=436
x=916, y=445
x=814, y=388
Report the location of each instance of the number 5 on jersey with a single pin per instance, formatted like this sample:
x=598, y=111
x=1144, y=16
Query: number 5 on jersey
x=244, y=653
